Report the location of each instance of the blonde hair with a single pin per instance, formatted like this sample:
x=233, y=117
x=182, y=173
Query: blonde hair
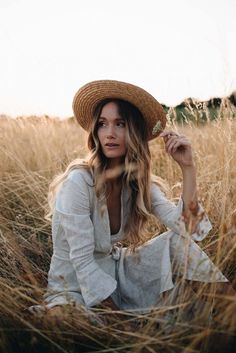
x=135, y=172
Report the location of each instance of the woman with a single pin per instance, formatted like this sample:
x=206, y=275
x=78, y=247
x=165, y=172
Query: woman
x=102, y=209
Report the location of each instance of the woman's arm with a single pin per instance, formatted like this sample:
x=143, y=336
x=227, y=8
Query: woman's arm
x=73, y=207
x=180, y=149
x=189, y=192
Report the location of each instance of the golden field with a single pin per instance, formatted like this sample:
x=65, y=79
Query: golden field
x=32, y=151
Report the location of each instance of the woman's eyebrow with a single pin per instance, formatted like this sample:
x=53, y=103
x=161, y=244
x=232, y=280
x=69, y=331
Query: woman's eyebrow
x=103, y=117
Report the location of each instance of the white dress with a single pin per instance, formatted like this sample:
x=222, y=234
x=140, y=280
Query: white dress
x=88, y=265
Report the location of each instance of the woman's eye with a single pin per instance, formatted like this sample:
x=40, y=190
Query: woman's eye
x=101, y=123
x=122, y=124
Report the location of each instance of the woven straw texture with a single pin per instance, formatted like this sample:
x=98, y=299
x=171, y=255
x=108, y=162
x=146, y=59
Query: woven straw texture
x=88, y=96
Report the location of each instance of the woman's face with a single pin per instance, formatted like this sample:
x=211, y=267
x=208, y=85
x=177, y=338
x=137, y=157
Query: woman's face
x=112, y=133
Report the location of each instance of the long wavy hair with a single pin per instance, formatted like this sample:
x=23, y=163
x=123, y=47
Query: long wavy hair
x=134, y=172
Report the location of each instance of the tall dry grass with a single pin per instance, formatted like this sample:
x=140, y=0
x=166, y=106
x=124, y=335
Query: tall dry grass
x=32, y=151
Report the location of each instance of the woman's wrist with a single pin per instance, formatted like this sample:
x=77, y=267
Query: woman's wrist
x=188, y=168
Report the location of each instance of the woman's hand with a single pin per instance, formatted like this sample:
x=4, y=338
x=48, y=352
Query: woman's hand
x=108, y=303
x=179, y=148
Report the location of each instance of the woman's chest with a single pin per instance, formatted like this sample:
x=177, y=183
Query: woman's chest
x=114, y=213
x=109, y=218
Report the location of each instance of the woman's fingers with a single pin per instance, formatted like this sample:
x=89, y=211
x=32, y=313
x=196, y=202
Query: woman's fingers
x=170, y=139
x=173, y=140
x=170, y=143
x=173, y=143
x=168, y=135
x=168, y=132
x=173, y=147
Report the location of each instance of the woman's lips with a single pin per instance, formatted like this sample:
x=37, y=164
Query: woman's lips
x=111, y=145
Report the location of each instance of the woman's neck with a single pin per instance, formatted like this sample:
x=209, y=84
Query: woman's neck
x=113, y=175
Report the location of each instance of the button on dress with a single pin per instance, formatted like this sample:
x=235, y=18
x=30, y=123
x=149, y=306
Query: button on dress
x=89, y=264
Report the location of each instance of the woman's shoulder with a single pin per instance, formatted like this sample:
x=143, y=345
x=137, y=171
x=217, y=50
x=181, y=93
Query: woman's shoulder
x=159, y=187
x=74, y=189
x=80, y=175
x=155, y=189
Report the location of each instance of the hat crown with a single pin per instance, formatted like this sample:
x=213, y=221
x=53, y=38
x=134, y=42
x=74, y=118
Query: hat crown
x=89, y=95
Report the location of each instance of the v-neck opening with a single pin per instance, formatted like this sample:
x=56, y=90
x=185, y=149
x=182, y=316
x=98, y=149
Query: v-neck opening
x=121, y=215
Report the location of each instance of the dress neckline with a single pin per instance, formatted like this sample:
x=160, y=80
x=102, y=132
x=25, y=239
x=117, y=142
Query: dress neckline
x=121, y=215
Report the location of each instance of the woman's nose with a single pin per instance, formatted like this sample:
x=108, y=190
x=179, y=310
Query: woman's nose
x=110, y=131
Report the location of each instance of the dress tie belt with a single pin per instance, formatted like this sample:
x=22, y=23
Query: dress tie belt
x=116, y=253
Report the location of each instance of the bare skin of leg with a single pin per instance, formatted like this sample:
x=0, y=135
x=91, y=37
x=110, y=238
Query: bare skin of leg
x=56, y=314
x=55, y=311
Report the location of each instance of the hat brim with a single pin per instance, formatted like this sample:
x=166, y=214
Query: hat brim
x=88, y=97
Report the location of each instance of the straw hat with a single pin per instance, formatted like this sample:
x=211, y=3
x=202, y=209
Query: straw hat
x=89, y=95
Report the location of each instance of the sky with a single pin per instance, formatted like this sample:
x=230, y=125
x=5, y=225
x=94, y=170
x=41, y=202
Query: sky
x=173, y=49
